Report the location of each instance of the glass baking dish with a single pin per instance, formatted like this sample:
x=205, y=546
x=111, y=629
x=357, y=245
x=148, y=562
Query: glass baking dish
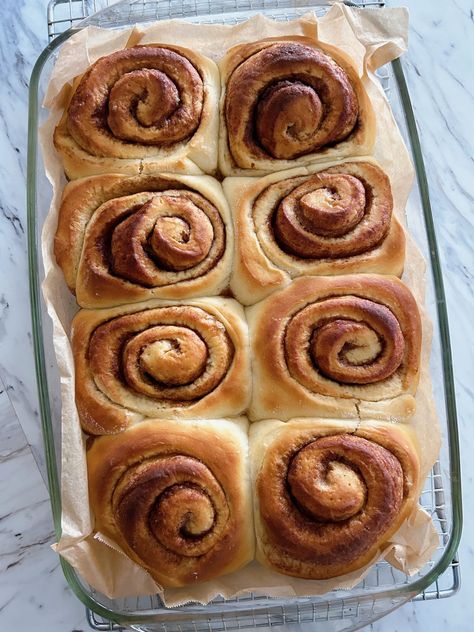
x=385, y=588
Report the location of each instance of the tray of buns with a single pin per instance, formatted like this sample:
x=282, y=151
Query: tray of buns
x=239, y=388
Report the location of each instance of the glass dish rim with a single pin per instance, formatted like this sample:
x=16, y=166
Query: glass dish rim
x=42, y=383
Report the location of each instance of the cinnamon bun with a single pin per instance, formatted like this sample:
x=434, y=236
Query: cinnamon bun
x=175, y=498
x=141, y=110
x=160, y=359
x=328, y=496
x=289, y=101
x=125, y=239
x=336, y=347
x=322, y=220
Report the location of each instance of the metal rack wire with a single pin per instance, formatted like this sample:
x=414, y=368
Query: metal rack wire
x=64, y=14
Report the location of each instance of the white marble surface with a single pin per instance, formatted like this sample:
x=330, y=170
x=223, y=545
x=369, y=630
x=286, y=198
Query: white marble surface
x=33, y=592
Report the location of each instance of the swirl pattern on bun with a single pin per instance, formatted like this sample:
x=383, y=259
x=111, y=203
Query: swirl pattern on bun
x=159, y=359
x=124, y=239
x=175, y=498
x=322, y=220
x=290, y=100
x=139, y=110
x=336, y=346
x=328, y=497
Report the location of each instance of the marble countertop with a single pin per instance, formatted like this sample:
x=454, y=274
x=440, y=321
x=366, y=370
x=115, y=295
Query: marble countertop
x=33, y=591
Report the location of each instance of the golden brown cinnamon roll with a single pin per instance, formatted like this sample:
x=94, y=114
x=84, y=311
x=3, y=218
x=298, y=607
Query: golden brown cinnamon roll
x=289, y=101
x=141, y=110
x=328, y=496
x=124, y=239
x=321, y=220
x=175, y=498
x=160, y=359
x=336, y=346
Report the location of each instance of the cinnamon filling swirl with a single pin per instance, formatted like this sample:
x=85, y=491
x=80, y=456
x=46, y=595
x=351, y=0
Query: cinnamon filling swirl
x=296, y=100
x=172, y=503
x=157, y=239
x=171, y=354
x=141, y=96
x=328, y=502
x=348, y=339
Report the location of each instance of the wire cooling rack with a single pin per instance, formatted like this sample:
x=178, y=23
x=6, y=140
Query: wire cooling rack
x=64, y=14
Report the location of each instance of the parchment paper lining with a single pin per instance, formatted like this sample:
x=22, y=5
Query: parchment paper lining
x=371, y=38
